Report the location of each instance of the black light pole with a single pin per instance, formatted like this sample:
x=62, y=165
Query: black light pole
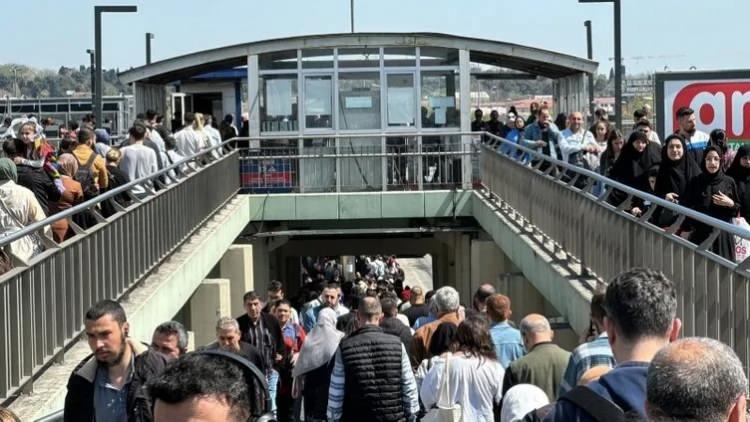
x=149, y=37
x=590, y=55
x=618, y=56
x=98, y=10
x=92, y=56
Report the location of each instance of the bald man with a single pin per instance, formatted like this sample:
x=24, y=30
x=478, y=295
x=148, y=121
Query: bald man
x=545, y=363
x=697, y=379
x=576, y=140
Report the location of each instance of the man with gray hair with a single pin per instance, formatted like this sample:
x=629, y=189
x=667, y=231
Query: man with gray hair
x=447, y=302
x=545, y=363
x=372, y=378
x=228, y=338
x=696, y=379
x=170, y=339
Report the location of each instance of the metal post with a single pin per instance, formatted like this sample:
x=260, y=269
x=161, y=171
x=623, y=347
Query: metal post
x=92, y=56
x=149, y=37
x=98, y=10
x=590, y=55
x=618, y=64
x=351, y=13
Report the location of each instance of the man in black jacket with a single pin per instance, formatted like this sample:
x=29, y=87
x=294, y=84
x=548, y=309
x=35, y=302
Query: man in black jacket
x=111, y=386
x=32, y=178
x=372, y=378
x=263, y=331
x=392, y=325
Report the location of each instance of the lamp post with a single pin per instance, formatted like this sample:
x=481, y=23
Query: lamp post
x=590, y=55
x=149, y=37
x=92, y=56
x=351, y=13
x=618, y=56
x=98, y=10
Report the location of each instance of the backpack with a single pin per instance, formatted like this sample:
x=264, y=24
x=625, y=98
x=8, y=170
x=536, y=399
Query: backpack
x=85, y=176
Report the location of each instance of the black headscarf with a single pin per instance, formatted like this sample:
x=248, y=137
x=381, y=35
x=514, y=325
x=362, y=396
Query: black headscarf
x=736, y=170
x=632, y=167
x=712, y=178
x=442, y=338
x=674, y=176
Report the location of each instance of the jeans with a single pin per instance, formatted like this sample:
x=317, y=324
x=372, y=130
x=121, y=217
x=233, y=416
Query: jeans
x=273, y=386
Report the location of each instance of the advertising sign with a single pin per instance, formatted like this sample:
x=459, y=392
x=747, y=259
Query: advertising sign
x=720, y=100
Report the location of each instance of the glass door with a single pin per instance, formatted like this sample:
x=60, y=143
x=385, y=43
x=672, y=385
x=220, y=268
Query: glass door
x=401, y=100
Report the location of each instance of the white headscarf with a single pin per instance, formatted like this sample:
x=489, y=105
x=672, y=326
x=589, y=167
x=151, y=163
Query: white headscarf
x=320, y=345
x=520, y=400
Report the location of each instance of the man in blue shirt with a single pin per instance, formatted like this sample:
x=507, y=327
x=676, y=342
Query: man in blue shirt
x=640, y=306
x=507, y=340
x=595, y=352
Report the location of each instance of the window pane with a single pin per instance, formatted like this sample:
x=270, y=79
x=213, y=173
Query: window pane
x=440, y=99
x=321, y=58
x=399, y=56
x=438, y=56
x=278, y=60
x=401, y=100
x=318, y=102
x=278, y=103
x=359, y=100
x=359, y=57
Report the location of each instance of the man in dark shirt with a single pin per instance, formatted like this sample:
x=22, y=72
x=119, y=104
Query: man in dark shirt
x=640, y=306
x=228, y=339
x=418, y=306
x=32, y=178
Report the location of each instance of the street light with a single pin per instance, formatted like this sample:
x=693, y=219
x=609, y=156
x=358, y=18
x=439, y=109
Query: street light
x=590, y=55
x=351, y=13
x=98, y=10
x=618, y=57
x=92, y=56
x=149, y=37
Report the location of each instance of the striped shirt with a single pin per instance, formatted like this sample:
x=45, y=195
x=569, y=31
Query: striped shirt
x=338, y=382
x=586, y=356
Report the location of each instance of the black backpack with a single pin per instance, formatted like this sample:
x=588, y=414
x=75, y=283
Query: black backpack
x=598, y=408
x=85, y=176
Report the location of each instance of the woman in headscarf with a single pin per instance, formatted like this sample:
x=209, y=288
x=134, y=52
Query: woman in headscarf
x=71, y=196
x=676, y=170
x=637, y=159
x=312, y=372
x=740, y=172
x=520, y=401
x=715, y=194
x=18, y=208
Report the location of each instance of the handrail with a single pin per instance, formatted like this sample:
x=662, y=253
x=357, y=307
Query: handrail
x=110, y=194
x=631, y=192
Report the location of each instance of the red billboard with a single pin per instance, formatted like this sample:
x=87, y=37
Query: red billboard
x=721, y=99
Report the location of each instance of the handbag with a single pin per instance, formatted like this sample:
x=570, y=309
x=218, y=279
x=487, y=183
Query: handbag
x=741, y=245
x=444, y=410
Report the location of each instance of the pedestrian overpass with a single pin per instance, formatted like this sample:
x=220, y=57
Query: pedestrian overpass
x=487, y=213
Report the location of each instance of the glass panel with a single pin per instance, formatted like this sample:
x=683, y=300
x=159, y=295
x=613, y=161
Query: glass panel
x=318, y=102
x=401, y=99
x=359, y=100
x=278, y=103
x=399, y=56
x=321, y=58
x=361, y=173
x=318, y=174
x=439, y=104
x=278, y=60
x=359, y=57
x=438, y=56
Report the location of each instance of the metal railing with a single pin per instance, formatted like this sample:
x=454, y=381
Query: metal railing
x=560, y=201
x=358, y=162
x=42, y=301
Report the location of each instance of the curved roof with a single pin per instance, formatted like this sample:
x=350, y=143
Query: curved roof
x=511, y=56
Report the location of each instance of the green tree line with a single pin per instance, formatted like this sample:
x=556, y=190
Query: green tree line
x=21, y=80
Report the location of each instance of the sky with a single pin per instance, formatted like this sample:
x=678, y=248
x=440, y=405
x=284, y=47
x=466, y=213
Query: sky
x=677, y=34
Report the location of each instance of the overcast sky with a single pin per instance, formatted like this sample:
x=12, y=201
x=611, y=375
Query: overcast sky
x=656, y=33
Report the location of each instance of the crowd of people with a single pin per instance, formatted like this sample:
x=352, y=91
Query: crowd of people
x=38, y=179
x=467, y=363
x=691, y=168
